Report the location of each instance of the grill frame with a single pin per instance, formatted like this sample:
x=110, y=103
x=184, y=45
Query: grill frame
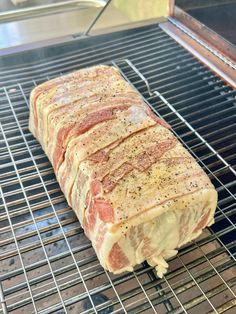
x=188, y=134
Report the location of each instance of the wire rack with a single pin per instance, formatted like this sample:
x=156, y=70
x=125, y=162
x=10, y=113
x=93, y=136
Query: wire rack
x=47, y=263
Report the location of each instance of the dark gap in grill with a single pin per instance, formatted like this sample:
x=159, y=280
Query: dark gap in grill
x=201, y=98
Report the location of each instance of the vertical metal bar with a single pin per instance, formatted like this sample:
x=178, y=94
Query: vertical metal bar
x=216, y=271
x=178, y=114
x=52, y=205
x=32, y=216
x=86, y=32
x=196, y=283
x=200, y=137
x=23, y=94
x=117, y=294
x=17, y=246
x=2, y=300
x=214, y=152
x=145, y=293
x=165, y=101
x=140, y=75
x=216, y=236
x=221, y=210
x=158, y=287
x=175, y=295
x=106, y=272
x=171, y=7
x=148, y=87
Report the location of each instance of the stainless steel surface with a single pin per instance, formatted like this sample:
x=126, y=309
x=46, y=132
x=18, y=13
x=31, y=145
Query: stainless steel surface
x=8, y=5
x=19, y=33
x=51, y=20
x=202, y=43
x=210, y=13
x=48, y=265
x=53, y=27
x=47, y=9
x=61, y=21
x=94, y=21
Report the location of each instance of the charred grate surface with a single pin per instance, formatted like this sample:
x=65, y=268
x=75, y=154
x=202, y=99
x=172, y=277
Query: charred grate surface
x=47, y=264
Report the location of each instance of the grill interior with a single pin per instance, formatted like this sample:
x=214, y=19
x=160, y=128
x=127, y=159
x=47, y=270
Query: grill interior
x=47, y=263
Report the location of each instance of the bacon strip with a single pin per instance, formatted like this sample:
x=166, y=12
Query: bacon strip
x=117, y=258
x=99, y=156
x=110, y=181
x=138, y=193
x=77, y=129
x=141, y=162
x=157, y=119
x=60, y=81
x=97, y=207
x=203, y=222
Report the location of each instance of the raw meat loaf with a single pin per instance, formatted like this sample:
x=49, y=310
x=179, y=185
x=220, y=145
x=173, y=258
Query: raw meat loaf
x=138, y=193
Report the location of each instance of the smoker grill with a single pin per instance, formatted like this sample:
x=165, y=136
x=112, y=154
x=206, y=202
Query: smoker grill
x=47, y=263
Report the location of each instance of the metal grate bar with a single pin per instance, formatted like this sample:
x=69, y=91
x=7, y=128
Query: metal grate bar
x=52, y=226
x=216, y=271
x=182, y=119
x=113, y=44
x=33, y=219
x=190, y=127
x=84, y=59
x=52, y=181
x=21, y=260
x=107, y=274
x=3, y=302
x=43, y=277
x=219, y=217
x=29, y=207
x=195, y=132
x=204, y=268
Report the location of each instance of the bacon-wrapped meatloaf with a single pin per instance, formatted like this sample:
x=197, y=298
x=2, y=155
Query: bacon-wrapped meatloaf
x=138, y=193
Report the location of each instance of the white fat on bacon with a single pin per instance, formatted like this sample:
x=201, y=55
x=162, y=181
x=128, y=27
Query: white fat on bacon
x=137, y=192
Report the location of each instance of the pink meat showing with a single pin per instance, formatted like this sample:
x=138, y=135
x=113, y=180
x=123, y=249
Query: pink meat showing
x=138, y=193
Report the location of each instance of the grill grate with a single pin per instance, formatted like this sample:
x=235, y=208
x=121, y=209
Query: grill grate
x=47, y=264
